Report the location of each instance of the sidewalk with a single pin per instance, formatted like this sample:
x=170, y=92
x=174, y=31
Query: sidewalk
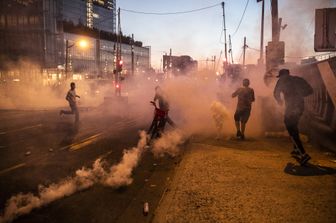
x=249, y=181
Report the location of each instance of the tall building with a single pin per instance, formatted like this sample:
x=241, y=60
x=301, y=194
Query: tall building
x=47, y=33
x=98, y=14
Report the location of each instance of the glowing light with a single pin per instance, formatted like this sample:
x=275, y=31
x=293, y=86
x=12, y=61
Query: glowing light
x=83, y=43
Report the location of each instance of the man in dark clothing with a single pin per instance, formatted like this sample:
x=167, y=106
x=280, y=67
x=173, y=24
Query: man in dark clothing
x=71, y=98
x=294, y=90
x=245, y=98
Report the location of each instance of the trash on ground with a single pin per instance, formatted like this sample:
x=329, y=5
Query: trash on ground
x=146, y=208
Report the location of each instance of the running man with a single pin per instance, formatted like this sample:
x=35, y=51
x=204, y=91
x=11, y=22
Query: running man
x=71, y=98
x=294, y=89
x=245, y=98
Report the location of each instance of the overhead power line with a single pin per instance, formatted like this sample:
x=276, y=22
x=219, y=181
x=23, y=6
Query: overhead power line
x=241, y=19
x=170, y=13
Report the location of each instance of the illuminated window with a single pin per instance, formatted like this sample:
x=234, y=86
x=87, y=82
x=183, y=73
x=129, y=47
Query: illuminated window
x=31, y=20
x=25, y=20
x=95, y=15
x=21, y=20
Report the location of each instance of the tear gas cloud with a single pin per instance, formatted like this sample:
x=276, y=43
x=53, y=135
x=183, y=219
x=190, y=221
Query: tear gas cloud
x=190, y=99
x=169, y=143
x=199, y=104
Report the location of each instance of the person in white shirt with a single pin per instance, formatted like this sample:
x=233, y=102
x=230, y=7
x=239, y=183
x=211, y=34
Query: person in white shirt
x=71, y=98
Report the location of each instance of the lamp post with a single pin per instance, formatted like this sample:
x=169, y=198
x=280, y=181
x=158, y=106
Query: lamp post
x=81, y=43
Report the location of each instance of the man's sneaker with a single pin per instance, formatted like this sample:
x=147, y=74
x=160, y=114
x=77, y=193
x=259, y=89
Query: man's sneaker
x=304, y=159
x=242, y=137
x=238, y=134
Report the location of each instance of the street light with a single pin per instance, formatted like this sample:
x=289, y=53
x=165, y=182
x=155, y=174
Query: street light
x=81, y=43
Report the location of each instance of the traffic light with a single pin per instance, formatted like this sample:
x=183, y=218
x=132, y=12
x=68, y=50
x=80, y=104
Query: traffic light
x=119, y=66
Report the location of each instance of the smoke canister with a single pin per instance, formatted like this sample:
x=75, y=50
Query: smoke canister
x=146, y=208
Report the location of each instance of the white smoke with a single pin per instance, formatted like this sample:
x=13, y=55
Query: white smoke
x=168, y=143
x=118, y=175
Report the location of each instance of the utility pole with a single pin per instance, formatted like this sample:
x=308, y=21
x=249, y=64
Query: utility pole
x=261, y=58
x=67, y=47
x=170, y=65
x=98, y=63
x=119, y=38
x=225, y=45
x=214, y=63
x=275, y=21
x=132, y=54
x=66, y=58
x=275, y=50
x=119, y=62
x=244, y=50
x=230, y=49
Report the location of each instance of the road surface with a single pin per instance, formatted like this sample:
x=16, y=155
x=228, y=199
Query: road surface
x=39, y=147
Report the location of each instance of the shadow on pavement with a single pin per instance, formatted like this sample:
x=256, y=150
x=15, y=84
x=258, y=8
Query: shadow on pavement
x=308, y=170
x=70, y=130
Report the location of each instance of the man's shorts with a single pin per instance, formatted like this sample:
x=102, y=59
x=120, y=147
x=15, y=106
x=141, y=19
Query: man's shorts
x=242, y=115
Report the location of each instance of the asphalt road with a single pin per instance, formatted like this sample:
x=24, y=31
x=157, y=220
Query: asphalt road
x=41, y=148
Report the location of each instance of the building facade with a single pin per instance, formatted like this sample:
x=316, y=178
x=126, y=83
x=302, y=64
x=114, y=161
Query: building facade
x=98, y=58
x=98, y=14
x=38, y=31
x=29, y=30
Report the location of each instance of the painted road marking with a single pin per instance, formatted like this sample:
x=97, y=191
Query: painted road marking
x=12, y=168
x=79, y=145
x=21, y=129
x=82, y=143
x=86, y=142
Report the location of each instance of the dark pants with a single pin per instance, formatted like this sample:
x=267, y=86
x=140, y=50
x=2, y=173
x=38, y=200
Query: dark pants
x=73, y=111
x=291, y=123
x=154, y=133
x=242, y=115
